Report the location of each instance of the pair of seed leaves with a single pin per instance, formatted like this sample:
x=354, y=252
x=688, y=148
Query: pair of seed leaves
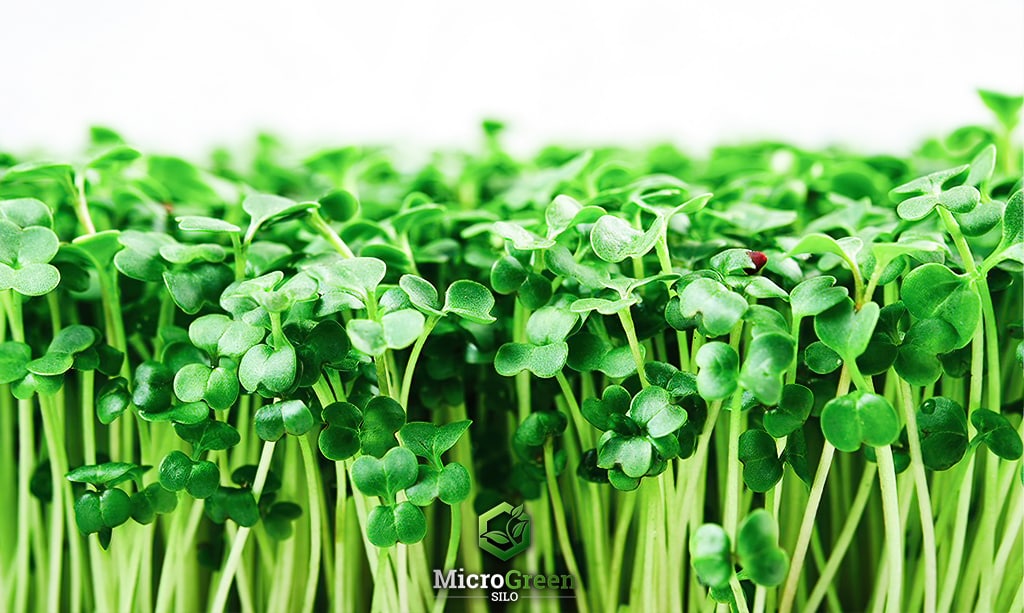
x=613, y=239
x=403, y=318
x=945, y=308
x=200, y=478
x=706, y=301
x=239, y=504
x=203, y=374
x=537, y=429
x=757, y=553
x=27, y=245
x=404, y=522
x=639, y=431
x=75, y=346
x=548, y=347
x=942, y=428
x=762, y=463
x=289, y=356
x=263, y=210
x=769, y=355
x=103, y=509
x=350, y=430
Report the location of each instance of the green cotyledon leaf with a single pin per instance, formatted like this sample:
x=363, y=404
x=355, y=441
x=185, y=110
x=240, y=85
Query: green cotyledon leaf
x=934, y=291
x=763, y=561
x=715, y=307
x=711, y=555
x=859, y=418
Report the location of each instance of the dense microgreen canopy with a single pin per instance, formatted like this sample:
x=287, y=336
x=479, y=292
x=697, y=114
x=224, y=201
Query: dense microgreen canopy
x=311, y=383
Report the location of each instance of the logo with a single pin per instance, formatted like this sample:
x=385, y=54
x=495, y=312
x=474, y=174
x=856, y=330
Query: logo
x=505, y=531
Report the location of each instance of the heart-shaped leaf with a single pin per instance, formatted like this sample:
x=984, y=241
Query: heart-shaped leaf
x=196, y=223
x=382, y=418
x=450, y=484
x=521, y=238
x=942, y=427
x=401, y=328
x=716, y=308
x=272, y=421
x=264, y=209
x=401, y=523
x=815, y=295
x=385, y=477
x=208, y=435
x=469, y=300
x=632, y=454
x=934, y=291
x=267, y=370
x=763, y=561
x=422, y=294
x=762, y=467
x=197, y=285
x=340, y=439
x=108, y=474
x=794, y=408
x=140, y=259
x=767, y=359
x=590, y=352
x=200, y=479
x=719, y=371
x=233, y=503
x=846, y=331
x=529, y=438
x=429, y=441
x=25, y=212
x=152, y=501
x=998, y=433
x=544, y=361
x=113, y=400
x=859, y=417
x=610, y=410
x=711, y=555
x=614, y=240
x=550, y=324
x=652, y=409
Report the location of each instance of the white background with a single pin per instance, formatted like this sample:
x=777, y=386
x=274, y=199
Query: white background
x=182, y=75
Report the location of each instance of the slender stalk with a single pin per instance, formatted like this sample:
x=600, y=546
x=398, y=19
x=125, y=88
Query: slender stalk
x=924, y=504
x=634, y=344
x=414, y=356
x=732, y=481
x=320, y=225
x=893, y=529
x=810, y=511
x=844, y=539
x=312, y=471
x=220, y=600
x=618, y=547
x=582, y=427
x=737, y=594
x=563, y=533
x=450, y=553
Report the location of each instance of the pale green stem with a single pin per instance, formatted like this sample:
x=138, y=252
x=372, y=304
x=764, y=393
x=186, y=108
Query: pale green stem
x=563, y=533
x=634, y=345
x=811, y=511
x=924, y=503
x=235, y=555
x=313, y=490
x=414, y=356
x=844, y=539
x=450, y=553
x=893, y=528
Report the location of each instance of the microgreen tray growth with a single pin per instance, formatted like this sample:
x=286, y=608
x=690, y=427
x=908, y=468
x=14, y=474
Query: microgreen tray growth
x=767, y=379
